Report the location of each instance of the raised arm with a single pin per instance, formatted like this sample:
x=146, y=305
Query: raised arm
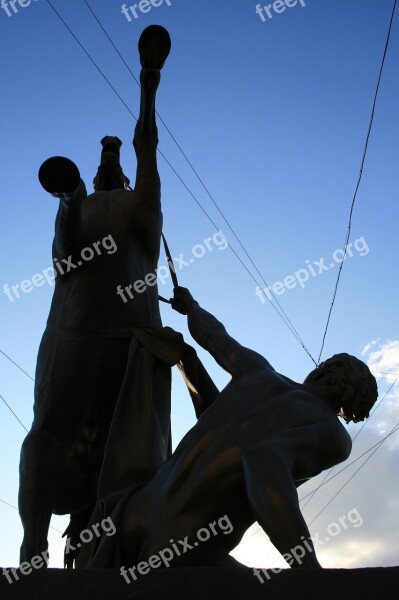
x=154, y=47
x=213, y=337
x=60, y=177
x=67, y=221
x=148, y=185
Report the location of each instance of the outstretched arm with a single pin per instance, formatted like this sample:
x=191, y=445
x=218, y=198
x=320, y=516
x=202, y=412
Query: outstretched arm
x=60, y=177
x=213, y=337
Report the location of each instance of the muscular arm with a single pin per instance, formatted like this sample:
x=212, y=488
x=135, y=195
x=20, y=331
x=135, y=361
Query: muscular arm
x=275, y=468
x=213, y=337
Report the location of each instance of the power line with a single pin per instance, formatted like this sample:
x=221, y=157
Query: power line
x=293, y=330
x=206, y=189
x=385, y=373
x=11, y=410
x=282, y=314
x=394, y=430
x=285, y=317
x=351, y=477
x=387, y=376
x=90, y=58
x=359, y=179
x=312, y=494
x=25, y=373
x=288, y=321
x=376, y=408
x=12, y=506
x=353, y=439
x=327, y=479
x=16, y=364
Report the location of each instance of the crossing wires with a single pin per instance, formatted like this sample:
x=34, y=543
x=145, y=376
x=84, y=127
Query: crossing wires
x=359, y=179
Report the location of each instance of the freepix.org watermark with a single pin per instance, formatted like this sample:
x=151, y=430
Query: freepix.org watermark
x=10, y=8
x=60, y=268
x=317, y=267
x=162, y=273
x=87, y=535
x=144, y=6
x=295, y=555
x=277, y=7
x=164, y=557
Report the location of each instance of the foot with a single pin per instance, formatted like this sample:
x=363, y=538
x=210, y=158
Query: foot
x=59, y=175
x=154, y=47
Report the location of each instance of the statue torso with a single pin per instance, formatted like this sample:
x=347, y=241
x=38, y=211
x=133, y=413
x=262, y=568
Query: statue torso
x=116, y=243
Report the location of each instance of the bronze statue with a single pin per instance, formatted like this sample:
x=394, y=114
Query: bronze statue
x=262, y=437
x=103, y=373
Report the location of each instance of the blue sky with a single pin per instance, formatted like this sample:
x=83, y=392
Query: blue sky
x=273, y=116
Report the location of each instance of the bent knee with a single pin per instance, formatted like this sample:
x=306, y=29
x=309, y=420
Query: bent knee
x=39, y=448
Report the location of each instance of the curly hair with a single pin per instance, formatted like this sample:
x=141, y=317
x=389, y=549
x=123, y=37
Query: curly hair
x=351, y=378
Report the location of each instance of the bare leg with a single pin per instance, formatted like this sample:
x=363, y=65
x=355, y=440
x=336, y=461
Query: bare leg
x=146, y=138
x=154, y=47
x=78, y=522
x=35, y=494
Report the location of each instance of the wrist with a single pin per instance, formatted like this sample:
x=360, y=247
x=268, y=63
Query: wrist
x=70, y=198
x=193, y=306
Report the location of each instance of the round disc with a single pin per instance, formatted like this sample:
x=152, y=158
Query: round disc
x=154, y=47
x=59, y=175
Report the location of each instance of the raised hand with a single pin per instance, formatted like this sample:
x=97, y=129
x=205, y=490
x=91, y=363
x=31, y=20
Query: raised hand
x=59, y=176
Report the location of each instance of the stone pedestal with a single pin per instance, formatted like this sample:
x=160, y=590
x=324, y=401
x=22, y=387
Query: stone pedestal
x=204, y=584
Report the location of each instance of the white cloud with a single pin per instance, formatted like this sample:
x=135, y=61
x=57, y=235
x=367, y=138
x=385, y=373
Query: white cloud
x=382, y=358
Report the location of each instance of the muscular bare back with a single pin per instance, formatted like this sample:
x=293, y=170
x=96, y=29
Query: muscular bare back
x=262, y=437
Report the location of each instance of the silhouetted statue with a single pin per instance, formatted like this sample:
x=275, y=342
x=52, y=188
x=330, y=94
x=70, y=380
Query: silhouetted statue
x=262, y=437
x=103, y=373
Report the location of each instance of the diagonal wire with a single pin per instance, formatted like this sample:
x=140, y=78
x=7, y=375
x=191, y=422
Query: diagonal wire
x=359, y=180
x=376, y=408
x=241, y=245
x=16, y=364
x=395, y=428
x=12, y=506
x=293, y=329
x=284, y=318
x=11, y=410
x=312, y=494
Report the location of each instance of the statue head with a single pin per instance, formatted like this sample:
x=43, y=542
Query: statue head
x=348, y=384
x=110, y=175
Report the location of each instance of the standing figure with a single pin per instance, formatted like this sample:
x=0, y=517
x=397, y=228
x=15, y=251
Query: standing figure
x=103, y=373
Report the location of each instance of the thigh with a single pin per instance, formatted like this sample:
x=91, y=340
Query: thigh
x=78, y=383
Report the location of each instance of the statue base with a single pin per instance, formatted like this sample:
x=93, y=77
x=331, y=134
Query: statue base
x=203, y=584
